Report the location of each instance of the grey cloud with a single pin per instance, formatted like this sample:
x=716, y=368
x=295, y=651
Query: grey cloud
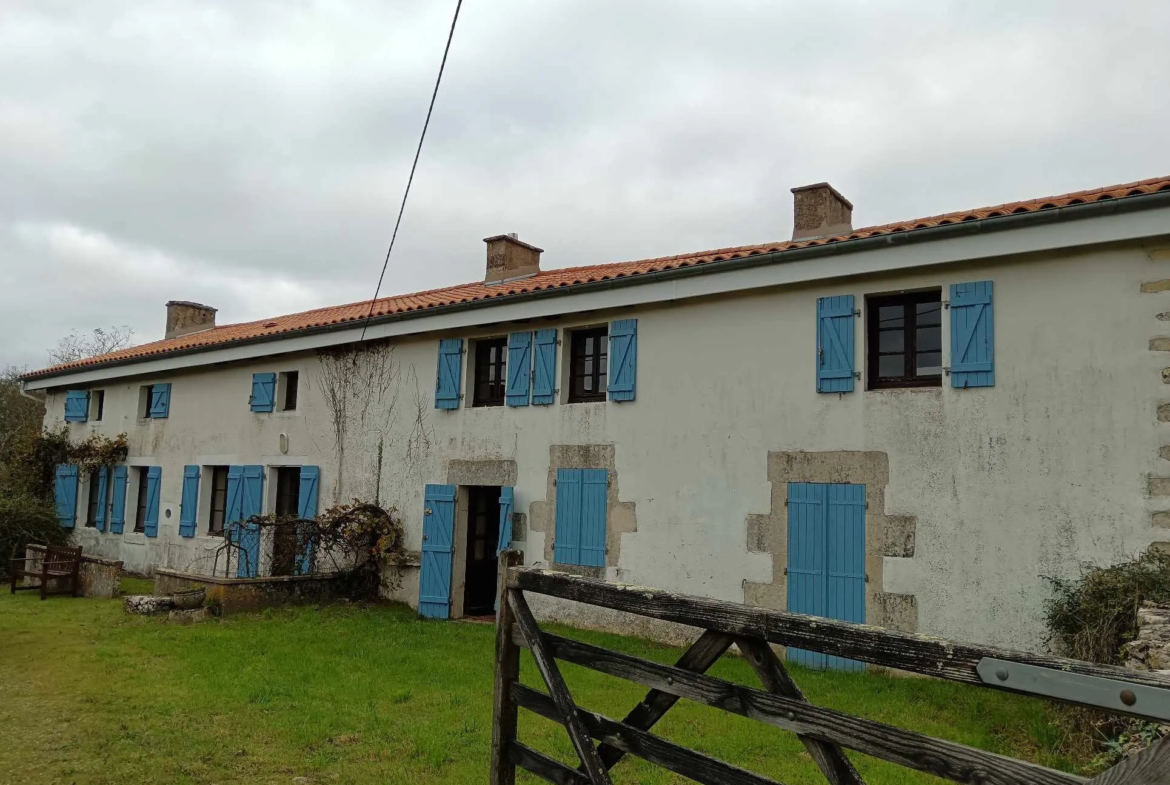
x=252, y=155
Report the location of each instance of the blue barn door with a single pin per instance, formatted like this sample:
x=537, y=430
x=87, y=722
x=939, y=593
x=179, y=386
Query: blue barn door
x=826, y=560
x=438, y=552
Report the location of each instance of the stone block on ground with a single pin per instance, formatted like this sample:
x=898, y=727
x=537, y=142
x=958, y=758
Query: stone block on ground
x=191, y=616
x=147, y=604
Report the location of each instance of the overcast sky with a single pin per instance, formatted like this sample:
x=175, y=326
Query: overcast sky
x=252, y=155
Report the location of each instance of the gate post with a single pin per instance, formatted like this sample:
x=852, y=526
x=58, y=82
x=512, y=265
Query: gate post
x=504, y=709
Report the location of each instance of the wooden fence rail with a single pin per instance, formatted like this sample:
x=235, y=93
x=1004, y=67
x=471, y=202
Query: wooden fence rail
x=601, y=742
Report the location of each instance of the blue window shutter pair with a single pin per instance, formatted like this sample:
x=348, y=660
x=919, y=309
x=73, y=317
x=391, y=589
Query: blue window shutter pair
x=972, y=335
x=263, y=397
x=76, y=405
x=835, y=352
x=65, y=495
x=160, y=401
x=519, y=369
x=103, y=486
x=544, y=371
x=623, y=359
x=438, y=552
x=826, y=559
x=309, y=485
x=450, y=374
x=118, y=500
x=581, y=517
x=189, y=506
x=153, y=487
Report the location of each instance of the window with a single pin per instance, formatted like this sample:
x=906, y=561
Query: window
x=491, y=377
x=588, y=358
x=288, y=390
x=288, y=491
x=140, y=514
x=97, y=404
x=580, y=517
x=94, y=503
x=904, y=339
x=218, y=499
x=144, y=394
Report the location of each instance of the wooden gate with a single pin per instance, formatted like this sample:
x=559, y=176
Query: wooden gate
x=600, y=742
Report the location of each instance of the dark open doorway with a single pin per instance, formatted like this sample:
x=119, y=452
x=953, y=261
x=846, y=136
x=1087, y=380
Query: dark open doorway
x=483, y=532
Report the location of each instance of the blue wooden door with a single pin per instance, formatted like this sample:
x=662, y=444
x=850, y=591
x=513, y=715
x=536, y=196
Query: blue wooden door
x=826, y=559
x=438, y=552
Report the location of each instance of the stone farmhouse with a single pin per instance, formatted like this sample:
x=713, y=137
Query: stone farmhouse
x=907, y=425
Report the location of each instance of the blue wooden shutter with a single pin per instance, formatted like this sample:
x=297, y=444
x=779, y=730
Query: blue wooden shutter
x=153, y=486
x=251, y=503
x=519, y=369
x=438, y=552
x=845, y=561
x=233, y=511
x=972, y=335
x=189, y=505
x=76, y=405
x=307, y=499
x=567, y=537
x=263, y=392
x=594, y=491
x=65, y=495
x=507, y=497
x=103, y=490
x=623, y=359
x=160, y=401
x=450, y=374
x=544, y=372
x=118, y=500
x=806, y=559
x=835, y=344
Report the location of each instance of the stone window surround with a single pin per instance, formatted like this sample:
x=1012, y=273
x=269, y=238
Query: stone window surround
x=620, y=517
x=885, y=535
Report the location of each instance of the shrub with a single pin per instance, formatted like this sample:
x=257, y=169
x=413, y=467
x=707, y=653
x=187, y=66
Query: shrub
x=1091, y=617
x=25, y=519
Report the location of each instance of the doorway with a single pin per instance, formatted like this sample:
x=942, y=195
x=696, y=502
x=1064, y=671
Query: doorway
x=483, y=533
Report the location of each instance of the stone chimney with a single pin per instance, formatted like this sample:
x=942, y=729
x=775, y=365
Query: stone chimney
x=819, y=210
x=184, y=318
x=508, y=257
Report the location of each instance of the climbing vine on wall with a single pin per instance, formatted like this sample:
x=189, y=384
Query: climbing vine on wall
x=38, y=455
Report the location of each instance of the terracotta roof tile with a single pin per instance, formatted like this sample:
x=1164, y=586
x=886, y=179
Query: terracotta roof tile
x=574, y=276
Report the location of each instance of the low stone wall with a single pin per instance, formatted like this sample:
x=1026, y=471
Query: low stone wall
x=1151, y=650
x=98, y=577
x=242, y=595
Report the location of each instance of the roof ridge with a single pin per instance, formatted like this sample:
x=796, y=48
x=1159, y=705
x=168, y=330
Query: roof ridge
x=567, y=277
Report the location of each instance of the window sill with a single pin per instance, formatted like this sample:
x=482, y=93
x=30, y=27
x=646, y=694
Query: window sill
x=134, y=538
x=921, y=388
x=581, y=571
x=585, y=400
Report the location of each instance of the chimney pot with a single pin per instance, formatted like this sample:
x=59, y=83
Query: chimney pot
x=509, y=257
x=819, y=210
x=184, y=318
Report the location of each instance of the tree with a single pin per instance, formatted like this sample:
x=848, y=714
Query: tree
x=79, y=346
x=19, y=416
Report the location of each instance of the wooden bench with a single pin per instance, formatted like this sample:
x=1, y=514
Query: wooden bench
x=60, y=563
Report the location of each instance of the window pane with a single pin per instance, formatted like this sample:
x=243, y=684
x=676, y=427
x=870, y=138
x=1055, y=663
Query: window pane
x=929, y=339
x=891, y=340
x=890, y=316
x=930, y=363
x=892, y=365
x=929, y=314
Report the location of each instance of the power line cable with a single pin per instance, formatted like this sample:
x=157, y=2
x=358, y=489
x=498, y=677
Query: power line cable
x=413, y=166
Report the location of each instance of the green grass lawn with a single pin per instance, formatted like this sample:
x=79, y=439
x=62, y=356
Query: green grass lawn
x=342, y=694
